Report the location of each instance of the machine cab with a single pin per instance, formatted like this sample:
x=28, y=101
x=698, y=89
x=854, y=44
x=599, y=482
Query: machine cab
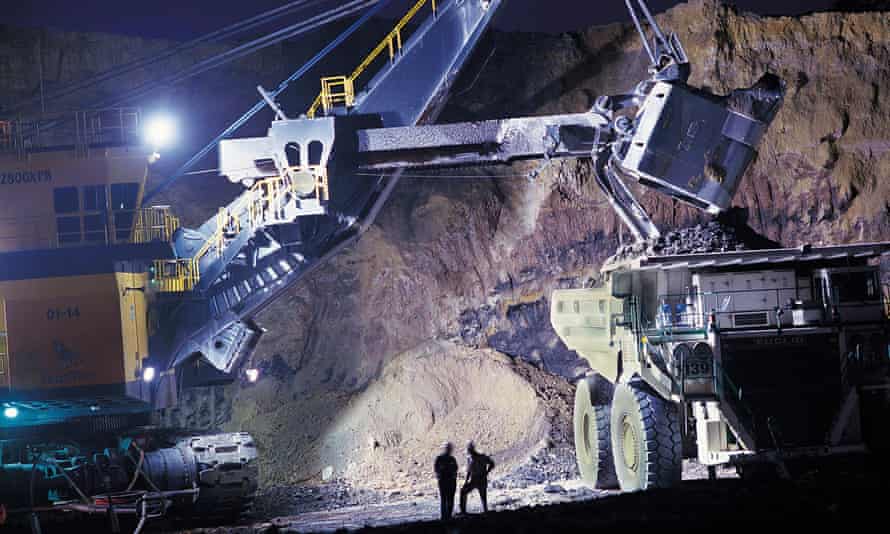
x=849, y=294
x=74, y=242
x=70, y=180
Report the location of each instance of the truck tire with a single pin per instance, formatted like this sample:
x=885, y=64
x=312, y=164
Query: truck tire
x=593, y=441
x=646, y=438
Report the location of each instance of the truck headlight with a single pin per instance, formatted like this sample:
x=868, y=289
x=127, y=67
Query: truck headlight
x=10, y=412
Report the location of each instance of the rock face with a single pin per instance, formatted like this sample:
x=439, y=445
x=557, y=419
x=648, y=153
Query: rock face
x=474, y=257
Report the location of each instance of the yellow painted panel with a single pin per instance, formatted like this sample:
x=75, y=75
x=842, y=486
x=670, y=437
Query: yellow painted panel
x=63, y=332
x=4, y=348
x=63, y=286
x=4, y=362
x=134, y=320
x=584, y=320
x=27, y=215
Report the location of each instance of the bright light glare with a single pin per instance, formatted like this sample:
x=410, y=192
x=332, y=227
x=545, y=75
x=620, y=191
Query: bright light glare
x=148, y=374
x=252, y=375
x=11, y=412
x=160, y=131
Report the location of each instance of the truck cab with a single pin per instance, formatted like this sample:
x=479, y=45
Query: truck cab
x=849, y=294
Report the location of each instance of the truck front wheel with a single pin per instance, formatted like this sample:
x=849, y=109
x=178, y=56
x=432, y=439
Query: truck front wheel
x=593, y=442
x=646, y=438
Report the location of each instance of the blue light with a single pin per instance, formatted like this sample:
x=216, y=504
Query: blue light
x=10, y=412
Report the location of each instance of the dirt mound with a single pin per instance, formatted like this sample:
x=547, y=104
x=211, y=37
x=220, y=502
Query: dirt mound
x=388, y=435
x=324, y=452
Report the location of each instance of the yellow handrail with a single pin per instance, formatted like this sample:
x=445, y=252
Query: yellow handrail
x=331, y=96
x=392, y=43
x=174, y=276
x=154, y=224
x=259, y=206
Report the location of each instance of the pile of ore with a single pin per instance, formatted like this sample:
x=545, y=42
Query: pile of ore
x=716, y=236
x=699, y=239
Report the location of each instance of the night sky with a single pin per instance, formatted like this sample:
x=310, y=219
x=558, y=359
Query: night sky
x=184, y=19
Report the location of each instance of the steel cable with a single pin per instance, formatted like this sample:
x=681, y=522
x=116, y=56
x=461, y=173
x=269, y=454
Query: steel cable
x=143, y=62
x=262, y=103
x=245, y=49
x=231, y=55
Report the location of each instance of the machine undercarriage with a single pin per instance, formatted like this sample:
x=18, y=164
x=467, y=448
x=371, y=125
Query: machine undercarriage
x=142, y=475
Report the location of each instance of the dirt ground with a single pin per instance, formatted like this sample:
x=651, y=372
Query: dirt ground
x=849, y=495
x=849, y=492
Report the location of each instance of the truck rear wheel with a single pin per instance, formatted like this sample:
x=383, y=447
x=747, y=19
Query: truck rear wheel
x=593, y=441
x=646, y=438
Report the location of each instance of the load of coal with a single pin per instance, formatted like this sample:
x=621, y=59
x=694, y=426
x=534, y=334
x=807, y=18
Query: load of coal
x=699, y=239
x=730, y=232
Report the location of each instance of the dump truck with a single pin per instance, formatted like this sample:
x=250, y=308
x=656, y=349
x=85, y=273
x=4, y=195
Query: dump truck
x=737, y=357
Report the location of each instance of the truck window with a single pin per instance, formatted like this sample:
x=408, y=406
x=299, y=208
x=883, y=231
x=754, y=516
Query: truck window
x=820, y=291
x=855, y=286
x=94, y=228
x=123, y=205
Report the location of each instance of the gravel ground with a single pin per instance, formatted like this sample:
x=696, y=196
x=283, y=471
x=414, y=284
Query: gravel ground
x=336, y=506
x=850, y=491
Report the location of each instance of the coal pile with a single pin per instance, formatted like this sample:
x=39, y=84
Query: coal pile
x=543, y=467
x=699, y=239
x=730, y=232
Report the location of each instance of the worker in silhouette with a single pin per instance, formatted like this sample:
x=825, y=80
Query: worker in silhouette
x=446, y=473
x=478, y=467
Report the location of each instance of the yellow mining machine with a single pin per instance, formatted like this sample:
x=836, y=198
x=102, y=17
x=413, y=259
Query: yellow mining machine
x=108, y=307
